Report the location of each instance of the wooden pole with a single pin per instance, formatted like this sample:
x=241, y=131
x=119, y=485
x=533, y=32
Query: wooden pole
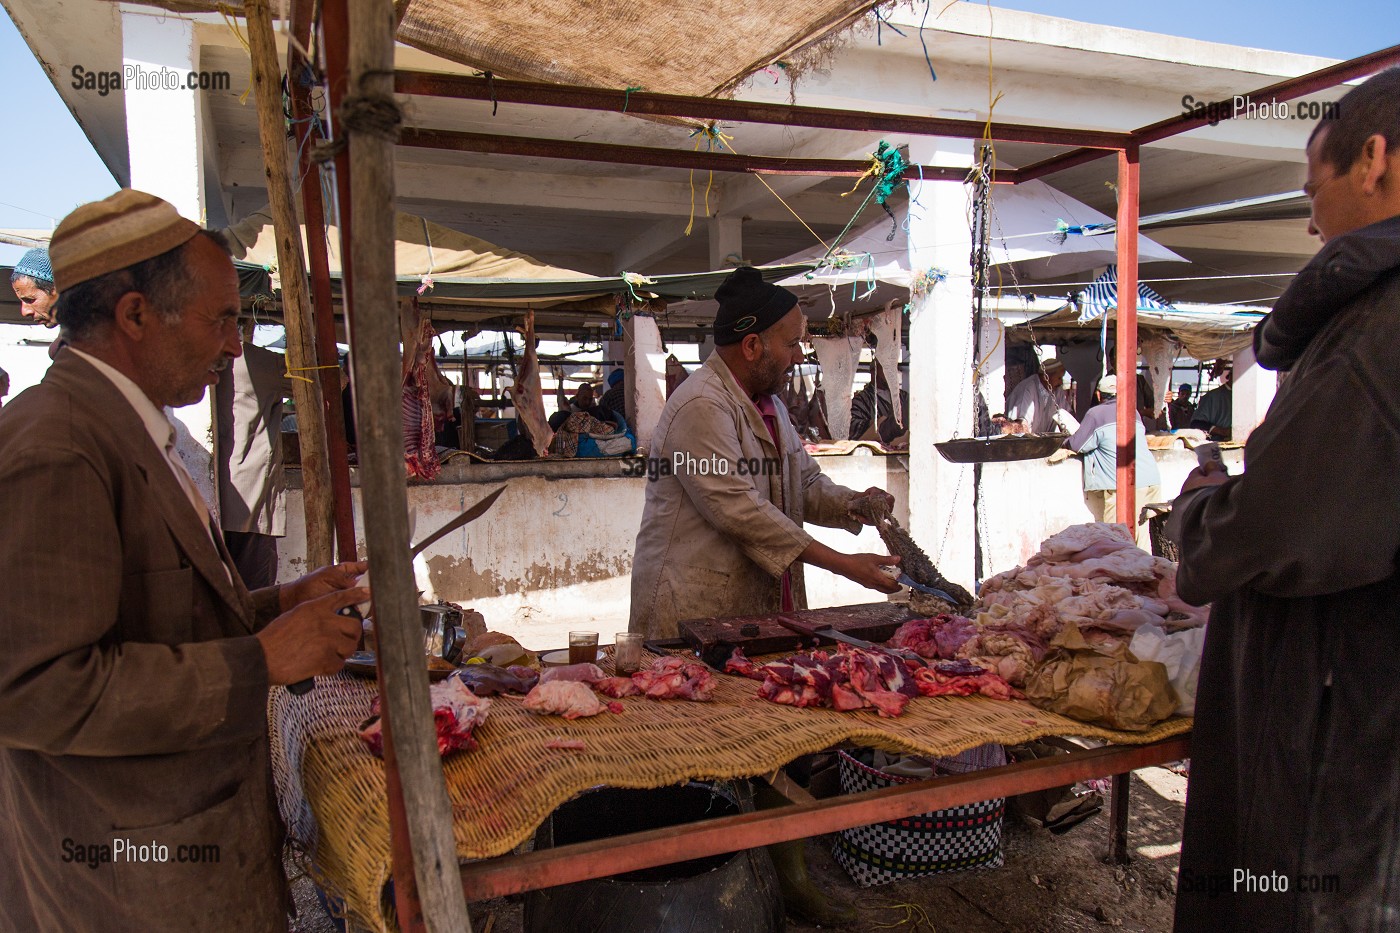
x=296, y=303
x=314, y=209
x=335, y=27
x=369, y=120
x=1127, y=234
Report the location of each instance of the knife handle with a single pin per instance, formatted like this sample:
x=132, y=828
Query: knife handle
x=303, y=687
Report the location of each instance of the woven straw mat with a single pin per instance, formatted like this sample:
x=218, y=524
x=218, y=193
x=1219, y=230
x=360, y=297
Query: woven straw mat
x=331, y=789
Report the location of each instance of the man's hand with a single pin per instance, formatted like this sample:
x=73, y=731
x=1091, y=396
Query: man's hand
x=320, y=583
x=867, y=570
x=874, y=492
x=1212, y=474
x=1064, y=453
x=312, y=639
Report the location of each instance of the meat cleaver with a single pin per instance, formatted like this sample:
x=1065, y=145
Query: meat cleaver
x=834, y=634
x=466, y=518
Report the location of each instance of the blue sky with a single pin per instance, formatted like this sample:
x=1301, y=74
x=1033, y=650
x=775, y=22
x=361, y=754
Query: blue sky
x=49, y=167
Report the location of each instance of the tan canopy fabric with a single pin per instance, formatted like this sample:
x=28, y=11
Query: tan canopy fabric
x=421, y=248
x=698, y=47
x=1205, y=333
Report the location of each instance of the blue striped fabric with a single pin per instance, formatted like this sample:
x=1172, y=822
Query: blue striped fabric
x=1102, y=296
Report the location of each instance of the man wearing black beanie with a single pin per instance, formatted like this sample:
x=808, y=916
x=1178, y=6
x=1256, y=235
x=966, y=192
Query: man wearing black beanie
x=722, y=531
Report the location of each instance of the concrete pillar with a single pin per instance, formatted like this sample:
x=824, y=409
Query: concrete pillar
x=164, y=125
x=1252, y=393
x=726, y=239
x=165, y=149
x=940, y=362
x=645, y=376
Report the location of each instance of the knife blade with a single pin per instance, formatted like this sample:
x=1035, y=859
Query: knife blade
x=302, y=687
x=835, y=634
x=466, y=518
x=905, y=579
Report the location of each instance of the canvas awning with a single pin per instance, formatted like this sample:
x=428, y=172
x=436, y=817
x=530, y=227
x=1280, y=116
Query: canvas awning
x=1206, y=332
x=701, y=47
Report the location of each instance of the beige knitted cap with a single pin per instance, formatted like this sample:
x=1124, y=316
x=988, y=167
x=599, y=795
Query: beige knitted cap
x=114, y=233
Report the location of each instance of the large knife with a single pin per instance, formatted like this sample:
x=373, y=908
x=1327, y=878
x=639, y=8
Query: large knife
x=466, y=518
x=832, y=633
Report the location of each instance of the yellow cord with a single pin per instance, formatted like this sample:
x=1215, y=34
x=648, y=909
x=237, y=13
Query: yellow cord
x=292, y=371
x=724, y=141
x=228, y=12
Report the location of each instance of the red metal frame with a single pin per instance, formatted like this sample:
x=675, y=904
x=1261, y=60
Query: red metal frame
x=494, y=144
x=643, y=103
x=318, y=260
x=1129, y=168
x=598, y=859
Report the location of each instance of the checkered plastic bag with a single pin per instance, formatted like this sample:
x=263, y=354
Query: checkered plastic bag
x=955, y=839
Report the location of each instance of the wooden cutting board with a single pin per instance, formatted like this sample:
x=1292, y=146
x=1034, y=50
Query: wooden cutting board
x=716, y=639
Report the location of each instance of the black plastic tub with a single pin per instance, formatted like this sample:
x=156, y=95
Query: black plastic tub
x=732, y=893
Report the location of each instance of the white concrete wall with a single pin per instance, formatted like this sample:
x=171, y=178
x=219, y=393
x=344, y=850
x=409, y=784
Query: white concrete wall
x=556, y=554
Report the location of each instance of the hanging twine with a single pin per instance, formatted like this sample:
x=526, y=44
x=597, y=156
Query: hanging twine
x=925, y=281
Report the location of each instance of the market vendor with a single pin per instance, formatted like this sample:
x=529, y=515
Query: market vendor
x=1294, y=775
x=721, y=530
x=134, y=680
x=32, y=281
x=1040, y=404
x=1096, y=441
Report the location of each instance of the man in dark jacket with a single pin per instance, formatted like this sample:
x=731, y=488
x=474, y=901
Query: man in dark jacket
x=1293, y=814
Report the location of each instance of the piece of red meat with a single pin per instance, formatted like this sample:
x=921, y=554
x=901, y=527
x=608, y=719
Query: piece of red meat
x=617, y=687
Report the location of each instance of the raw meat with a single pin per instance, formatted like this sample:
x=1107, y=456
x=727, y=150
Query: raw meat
x=962, y=679
x=567, y=698
x=675, y=678
x=1075, y=538
x=484, y=680
x=583, y=673
x=850, y=679
x=887, y=326
x=456, y=712
x=528, y=394
x=939, y=637
x=568, y=745
x=838, y=357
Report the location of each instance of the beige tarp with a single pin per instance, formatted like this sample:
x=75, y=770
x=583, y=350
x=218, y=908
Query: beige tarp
x=421, y=248
x=1205, y=334
x=694, y=47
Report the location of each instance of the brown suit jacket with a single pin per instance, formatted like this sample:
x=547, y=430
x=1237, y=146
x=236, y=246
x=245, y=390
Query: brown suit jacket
x=132, y=690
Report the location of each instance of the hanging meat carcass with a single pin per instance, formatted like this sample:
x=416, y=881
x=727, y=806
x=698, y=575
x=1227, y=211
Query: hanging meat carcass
x=527, y=393
x=838, y=357
x=887, y=326
x=1159, y=353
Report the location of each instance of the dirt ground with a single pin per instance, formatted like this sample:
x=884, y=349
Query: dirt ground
x=1049, y=884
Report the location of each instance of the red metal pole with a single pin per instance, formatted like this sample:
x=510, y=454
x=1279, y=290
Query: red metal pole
x=321, y=302
x=335, y=27
x=1127, y=233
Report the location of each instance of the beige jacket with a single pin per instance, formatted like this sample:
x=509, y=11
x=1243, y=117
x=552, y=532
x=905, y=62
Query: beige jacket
x=723, y=520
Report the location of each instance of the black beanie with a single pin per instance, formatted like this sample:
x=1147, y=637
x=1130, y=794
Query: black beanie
x=749, y=305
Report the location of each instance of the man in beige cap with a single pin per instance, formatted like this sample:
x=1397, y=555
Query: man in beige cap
x=135, y=788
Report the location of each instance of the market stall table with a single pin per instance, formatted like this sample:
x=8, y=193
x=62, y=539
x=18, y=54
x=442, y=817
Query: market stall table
x=331, y=789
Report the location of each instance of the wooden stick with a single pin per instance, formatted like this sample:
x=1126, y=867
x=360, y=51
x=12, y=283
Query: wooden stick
x=296, y=301
x=366, y=121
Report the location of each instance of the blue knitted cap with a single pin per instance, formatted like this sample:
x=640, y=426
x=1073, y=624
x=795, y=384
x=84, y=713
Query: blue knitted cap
x=35, y=264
